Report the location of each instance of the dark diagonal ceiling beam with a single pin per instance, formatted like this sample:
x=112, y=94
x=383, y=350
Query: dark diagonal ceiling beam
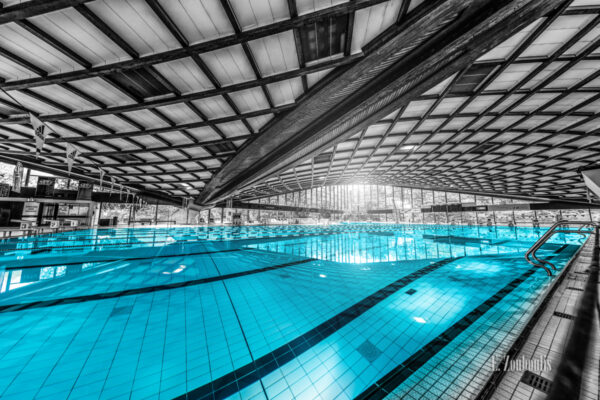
x=435, y=41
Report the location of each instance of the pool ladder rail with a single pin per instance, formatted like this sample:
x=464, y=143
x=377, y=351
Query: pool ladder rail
x=533, y=259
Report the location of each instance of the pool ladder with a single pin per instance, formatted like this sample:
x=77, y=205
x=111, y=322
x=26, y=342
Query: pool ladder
x=532, y=258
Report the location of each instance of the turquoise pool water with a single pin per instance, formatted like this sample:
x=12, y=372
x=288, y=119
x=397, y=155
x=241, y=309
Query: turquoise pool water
x=307, y=312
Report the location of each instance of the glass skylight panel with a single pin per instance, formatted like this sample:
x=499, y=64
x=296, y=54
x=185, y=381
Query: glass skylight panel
x=440, y=87
x=511, y=76
x=449, y=105
x=480, y=103
x=535, y=101
x=575, y=74
x=417, y=108
x=533, y=121
x=376, y=130
x=543, y=74
x=430, y=124
x=559, y=33
x=506, y=48
x=507, y=103
x=403, y=126
x=504, y=121
x=457, y=123
x=564, y=122
x=570, y=101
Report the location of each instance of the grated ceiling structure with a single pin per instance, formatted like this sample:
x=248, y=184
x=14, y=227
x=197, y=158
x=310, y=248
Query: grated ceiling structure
x=213, y=99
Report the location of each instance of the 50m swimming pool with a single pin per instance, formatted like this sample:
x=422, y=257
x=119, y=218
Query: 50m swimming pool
x=331, y=312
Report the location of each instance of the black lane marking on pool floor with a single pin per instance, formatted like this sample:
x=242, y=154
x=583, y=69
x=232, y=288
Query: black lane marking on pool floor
x=124, y=259
x=157, y=243
x=237, y=380
x=384, y=386
x=272, y=238
x=142, y=290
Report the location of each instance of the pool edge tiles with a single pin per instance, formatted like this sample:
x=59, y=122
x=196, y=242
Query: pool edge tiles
x=142, y=290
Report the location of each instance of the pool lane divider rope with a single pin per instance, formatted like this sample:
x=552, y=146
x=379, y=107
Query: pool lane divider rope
x=251, y=373
x=143, y=290
x=271, y=233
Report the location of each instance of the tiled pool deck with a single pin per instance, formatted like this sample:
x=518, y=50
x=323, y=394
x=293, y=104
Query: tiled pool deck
x=304, y=312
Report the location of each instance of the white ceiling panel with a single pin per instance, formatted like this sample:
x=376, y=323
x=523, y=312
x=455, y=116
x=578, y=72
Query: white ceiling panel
x=275, y=54
x=103, y=91
x=285, y=92
x=116, y=124
x=258, y=122
x=232, y=129
x=371, y=21
x=185, y=75
x=250, y=100
x=229, y=65
x=24, y=44
x=72, y=29
x=179, y=113
x=308, y=6
x=64, y=97
x=135, y=22
x=214, y=107
x=254, y=13
x=199, y=20
x=146, y=118
x=33, y=104
x=312, y=79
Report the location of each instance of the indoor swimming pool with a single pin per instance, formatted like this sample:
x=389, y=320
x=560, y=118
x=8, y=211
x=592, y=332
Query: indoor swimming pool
x=340, y=311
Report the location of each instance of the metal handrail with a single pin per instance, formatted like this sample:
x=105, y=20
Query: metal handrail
x=532, y=258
